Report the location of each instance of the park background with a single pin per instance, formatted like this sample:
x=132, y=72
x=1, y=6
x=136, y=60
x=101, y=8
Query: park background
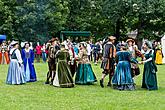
x=39, y=20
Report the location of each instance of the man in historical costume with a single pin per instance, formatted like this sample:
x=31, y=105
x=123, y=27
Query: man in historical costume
x=52, y=50
x=108, y=62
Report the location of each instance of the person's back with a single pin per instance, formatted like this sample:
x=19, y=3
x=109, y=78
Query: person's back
x=107, y=49
x=123, y=56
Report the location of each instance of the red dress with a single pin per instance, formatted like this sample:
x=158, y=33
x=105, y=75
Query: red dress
x=38, y=50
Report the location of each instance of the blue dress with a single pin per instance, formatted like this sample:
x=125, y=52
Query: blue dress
x=28, y=59
x=122, y=79
x=16, y=69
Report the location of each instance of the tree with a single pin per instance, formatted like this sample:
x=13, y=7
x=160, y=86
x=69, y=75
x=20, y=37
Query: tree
x=40, y=19
x=7, y=17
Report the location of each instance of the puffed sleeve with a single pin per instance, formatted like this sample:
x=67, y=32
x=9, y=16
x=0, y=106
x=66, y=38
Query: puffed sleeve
x=151, y=57
x=18, y=55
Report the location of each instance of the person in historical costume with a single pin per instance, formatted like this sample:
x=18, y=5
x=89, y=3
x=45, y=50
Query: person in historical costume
x=159, y=55
x=84, y=74
x=133, y=49
x=122, y=79
x=4, y=57
x=16, y=73
x=149, y=73
x=72, y=62
x=52, y=50
x=108, y=62
x=28, y=61
x=63, y=77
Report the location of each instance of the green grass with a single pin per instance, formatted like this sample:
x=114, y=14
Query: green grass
x=37, y=96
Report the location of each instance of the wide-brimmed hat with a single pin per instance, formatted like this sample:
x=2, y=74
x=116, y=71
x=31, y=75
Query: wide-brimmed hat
x=53, y=39
x=111, y=37
x=130, y=40
x=13, y=43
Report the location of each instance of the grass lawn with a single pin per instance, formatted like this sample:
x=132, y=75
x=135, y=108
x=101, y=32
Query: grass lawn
x=38, y=96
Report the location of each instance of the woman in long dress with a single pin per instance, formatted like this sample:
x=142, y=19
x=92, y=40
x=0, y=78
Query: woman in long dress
x=4, y=58
x=63, y=77
x=28, y=61
x=159, y=57
x=85, y=74
x=16, y=73
x=149, y=74
x=122, y=79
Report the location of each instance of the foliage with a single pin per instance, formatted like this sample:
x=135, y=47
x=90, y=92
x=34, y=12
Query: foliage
x=38, y=20
x=7, y=17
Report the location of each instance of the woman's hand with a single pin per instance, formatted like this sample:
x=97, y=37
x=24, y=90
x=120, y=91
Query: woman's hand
x=141, y=62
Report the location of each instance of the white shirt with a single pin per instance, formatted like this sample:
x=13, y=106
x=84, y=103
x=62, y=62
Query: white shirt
x=89, y=49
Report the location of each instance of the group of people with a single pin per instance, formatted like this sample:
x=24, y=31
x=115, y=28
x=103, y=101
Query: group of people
x=68, y=60
x=4, y=56
x=62, y=62
x=124, y=59
x=21, y=67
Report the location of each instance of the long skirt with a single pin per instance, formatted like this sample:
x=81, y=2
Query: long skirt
x=122, y=79
x=15, y=73
x=63, y=77
x=85, y=74
x=149, y=76
x=159, y=58
x=4, y=58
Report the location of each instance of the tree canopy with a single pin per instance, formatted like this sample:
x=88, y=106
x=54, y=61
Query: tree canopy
x=38, y=20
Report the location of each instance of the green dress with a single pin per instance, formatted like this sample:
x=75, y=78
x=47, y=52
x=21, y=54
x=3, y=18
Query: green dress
x=84, y=74
x=63, y=77
x=149, y=74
